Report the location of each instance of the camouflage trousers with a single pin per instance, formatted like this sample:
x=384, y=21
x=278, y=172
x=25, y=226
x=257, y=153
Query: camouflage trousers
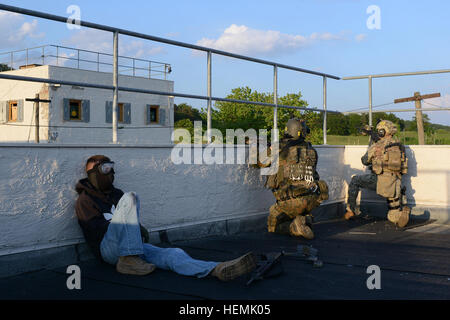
x=362, y=181
x=283, y=213
x=369, y=181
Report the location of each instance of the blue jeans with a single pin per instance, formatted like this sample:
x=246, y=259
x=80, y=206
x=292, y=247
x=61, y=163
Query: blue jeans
x=123, y=238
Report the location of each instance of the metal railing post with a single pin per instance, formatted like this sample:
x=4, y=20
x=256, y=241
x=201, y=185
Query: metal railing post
x=208, y=115
x=325, y=110
x=43, y=55
x=370, y=101
x=275, y=100
x=115, y=84
x=98, y=61
x=12, y=60
x=57, y=56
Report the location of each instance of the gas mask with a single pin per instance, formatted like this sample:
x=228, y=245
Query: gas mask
x=101, y=176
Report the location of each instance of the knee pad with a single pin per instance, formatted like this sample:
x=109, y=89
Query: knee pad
x=275, y=218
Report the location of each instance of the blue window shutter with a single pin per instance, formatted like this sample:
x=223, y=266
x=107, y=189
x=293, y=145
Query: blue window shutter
x=148, y=113
x=3, y=111
x=66, y=110
x=19, y=110
x=162, y=116
x=108, y=111
x=127, y=113
x=86, y=106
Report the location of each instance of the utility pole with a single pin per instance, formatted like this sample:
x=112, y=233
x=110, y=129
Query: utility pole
x=36, y=101
x=418, y=100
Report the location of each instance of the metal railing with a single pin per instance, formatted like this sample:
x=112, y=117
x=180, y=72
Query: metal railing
x=85, y=60
x=209, y=51
x=388, y=75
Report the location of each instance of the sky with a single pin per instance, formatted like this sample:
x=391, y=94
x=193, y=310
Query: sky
x=337, y=37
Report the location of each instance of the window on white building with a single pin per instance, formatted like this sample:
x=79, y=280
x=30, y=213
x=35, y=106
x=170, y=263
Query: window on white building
x=13, y=111
x=76, y=110
x=154, y=114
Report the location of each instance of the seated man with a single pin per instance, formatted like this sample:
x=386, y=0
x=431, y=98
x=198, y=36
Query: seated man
x=109, y=219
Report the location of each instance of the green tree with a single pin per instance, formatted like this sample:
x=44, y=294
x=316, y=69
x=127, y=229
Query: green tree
x=233, y=115
x=185, y=111
x=337, y=124
x=354, y=122
x=185, y=124
x=427, y=127
x=4, y=67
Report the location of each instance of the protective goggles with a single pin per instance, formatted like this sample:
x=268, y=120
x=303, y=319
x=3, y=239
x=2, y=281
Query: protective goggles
x=106, y=167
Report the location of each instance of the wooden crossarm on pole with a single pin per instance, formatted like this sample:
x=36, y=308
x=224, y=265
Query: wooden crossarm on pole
x=420, y=97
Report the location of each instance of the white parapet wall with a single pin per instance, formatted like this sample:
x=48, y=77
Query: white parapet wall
x=37, y=194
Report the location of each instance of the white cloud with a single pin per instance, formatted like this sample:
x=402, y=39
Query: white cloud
x=16, y=33
x=245, y=40
x=101, y=41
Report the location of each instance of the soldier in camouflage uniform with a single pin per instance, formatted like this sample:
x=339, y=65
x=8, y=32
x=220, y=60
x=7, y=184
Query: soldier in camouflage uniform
x=296, y=185
x=388, y=162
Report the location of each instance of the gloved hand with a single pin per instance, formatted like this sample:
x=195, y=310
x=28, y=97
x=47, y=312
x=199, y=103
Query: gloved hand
x=144, y=234
x=314, y=188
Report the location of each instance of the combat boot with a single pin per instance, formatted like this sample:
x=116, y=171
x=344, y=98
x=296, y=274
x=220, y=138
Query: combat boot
x=403, y=219
x=299, y=228
x=134, y=265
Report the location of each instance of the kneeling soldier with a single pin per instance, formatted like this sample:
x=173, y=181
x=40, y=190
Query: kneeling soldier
x=296, y=185
x=388, y=162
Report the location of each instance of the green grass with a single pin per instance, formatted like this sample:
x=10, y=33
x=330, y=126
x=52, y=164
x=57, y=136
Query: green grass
x=441, y=137
x=347, y=140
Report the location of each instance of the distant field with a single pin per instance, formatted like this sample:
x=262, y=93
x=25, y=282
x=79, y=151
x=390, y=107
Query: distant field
x=347, y=140
x=406, y=137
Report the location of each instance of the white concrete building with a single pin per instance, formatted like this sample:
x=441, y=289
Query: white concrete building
x=84, y=115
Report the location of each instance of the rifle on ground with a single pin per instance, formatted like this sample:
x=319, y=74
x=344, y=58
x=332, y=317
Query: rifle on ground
x=265, y=267
x=303, y=252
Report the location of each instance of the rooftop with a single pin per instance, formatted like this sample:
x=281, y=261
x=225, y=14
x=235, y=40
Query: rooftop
x=413, y=263
x=61, y=56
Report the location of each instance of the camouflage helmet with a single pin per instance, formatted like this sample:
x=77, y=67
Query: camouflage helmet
x=296, y=128
x=386, y=127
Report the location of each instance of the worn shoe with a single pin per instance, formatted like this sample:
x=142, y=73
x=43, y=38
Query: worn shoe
x=299, y=228
x=230, y=270
x=404, y=217
x=134, y=265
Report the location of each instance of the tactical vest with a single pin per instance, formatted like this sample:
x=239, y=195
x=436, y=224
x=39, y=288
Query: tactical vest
x=296, y=167
x=389, y=156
